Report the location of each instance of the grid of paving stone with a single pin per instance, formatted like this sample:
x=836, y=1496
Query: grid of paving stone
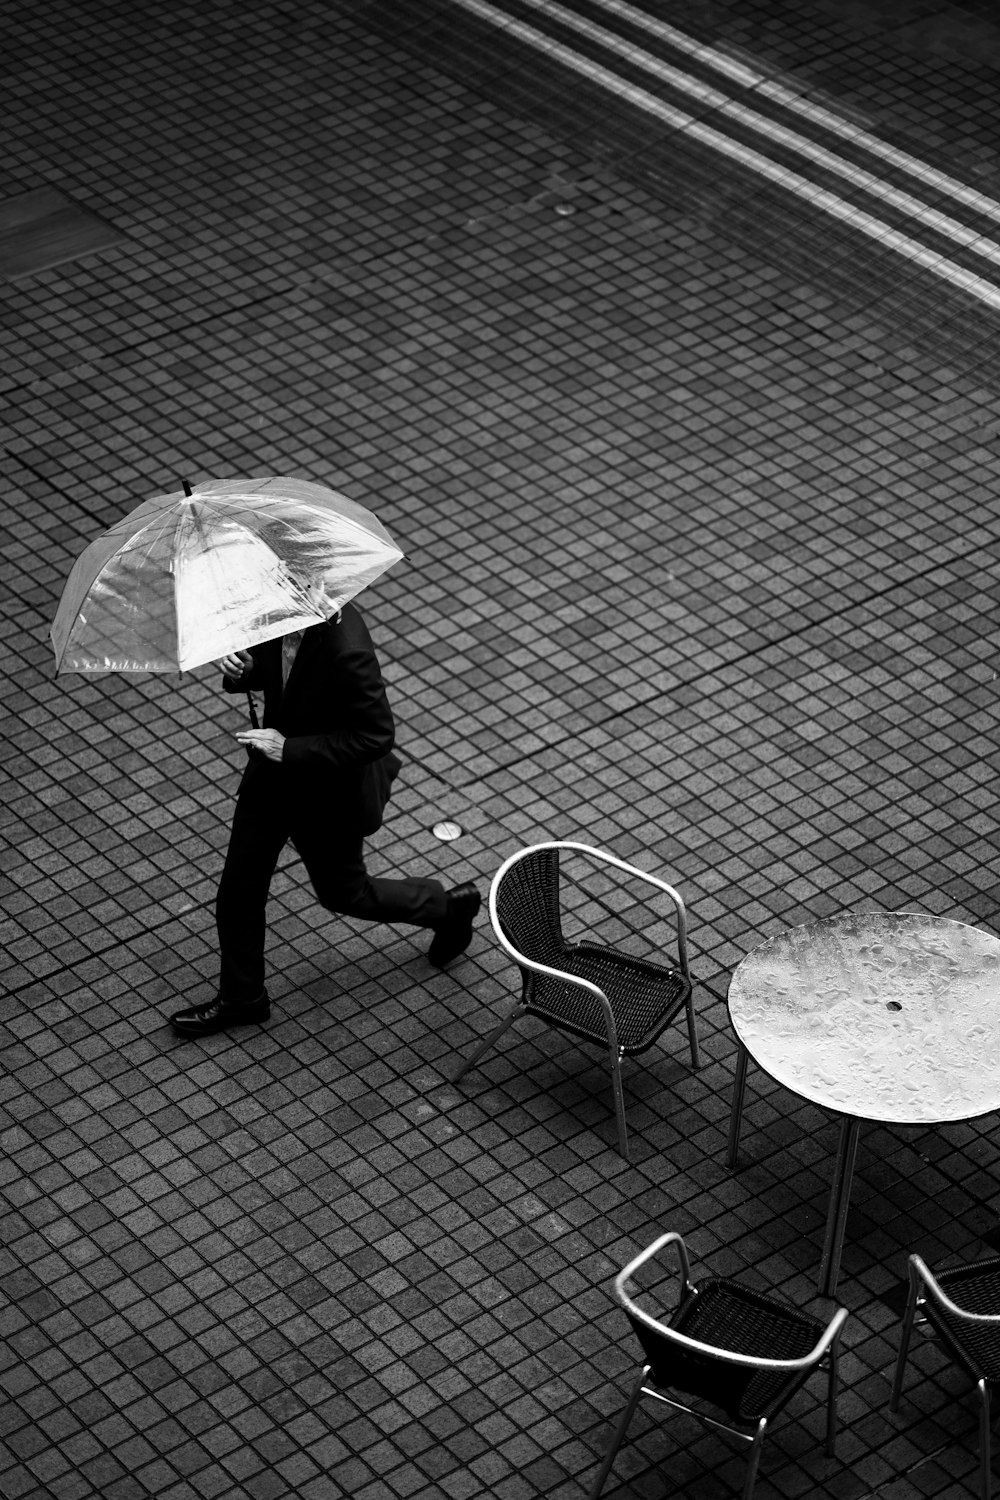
x=701, y=553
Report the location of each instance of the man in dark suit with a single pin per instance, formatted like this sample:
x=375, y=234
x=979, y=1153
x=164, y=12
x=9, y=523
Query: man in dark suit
x=319, y=773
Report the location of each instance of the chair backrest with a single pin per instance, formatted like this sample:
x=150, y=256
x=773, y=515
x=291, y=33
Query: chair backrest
x=745, y=1391
x=965, y=1310
x=527, y=906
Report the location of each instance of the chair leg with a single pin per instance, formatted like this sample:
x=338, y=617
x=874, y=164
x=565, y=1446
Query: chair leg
x=616, y=1084
x=831, y=1402
x=754, y=1460
x=984, y=1437
x=693, y=1035
x=623, y=1421
x=488, y=1042
x=904, y=1342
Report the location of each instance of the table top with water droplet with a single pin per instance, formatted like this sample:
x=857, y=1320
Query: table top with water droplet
x=887, y=1016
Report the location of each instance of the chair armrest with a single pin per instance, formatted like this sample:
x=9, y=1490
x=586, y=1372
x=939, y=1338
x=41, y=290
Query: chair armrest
x=560, y=974
x=921, y=1272
x=826, y=1340
x=653, y=880
x=650, y=1253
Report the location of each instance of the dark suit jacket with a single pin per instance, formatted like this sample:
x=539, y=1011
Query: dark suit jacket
x=336, y=720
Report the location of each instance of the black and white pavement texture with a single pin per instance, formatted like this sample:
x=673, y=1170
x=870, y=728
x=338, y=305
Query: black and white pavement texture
x=664, y=340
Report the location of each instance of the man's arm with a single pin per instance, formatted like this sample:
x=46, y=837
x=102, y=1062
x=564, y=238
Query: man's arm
x=370, y=732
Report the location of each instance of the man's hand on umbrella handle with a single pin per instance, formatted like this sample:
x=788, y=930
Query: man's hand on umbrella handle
x=268, y=741
x=236, y=664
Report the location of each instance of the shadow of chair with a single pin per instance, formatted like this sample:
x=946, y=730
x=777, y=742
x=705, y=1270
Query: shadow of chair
x=743, y=1353
x=963, y=1308
x=592, y=990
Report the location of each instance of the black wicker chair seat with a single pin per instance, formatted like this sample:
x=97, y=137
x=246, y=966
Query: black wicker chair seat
x=730, y=1316
x=644, y=996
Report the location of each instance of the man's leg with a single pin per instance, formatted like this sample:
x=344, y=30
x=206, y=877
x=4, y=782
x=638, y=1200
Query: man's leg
x=259, y=833
x=342, y=884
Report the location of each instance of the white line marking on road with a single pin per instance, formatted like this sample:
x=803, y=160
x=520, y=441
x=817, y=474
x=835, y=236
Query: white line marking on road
x=762, y=84
x=952, y=229
x=976, y=286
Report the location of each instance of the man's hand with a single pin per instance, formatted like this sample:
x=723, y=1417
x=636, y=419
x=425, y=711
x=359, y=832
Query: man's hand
x=236, y=664
x=268, y=741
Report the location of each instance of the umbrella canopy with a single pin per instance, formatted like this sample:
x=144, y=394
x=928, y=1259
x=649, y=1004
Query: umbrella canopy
x=185, y=579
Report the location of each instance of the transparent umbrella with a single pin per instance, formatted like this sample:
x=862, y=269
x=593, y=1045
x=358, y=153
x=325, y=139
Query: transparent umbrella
x=187, y=578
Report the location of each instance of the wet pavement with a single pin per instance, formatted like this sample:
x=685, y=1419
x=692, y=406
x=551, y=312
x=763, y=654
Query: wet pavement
x=664, y=341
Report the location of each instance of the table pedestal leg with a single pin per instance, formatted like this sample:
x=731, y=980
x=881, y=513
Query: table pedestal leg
x=736, y=1112
x=840, y=1198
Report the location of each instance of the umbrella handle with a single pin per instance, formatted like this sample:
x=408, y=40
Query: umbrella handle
x=254, y=723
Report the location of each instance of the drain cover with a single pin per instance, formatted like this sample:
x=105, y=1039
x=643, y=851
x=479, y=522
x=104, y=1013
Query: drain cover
x=43, y=229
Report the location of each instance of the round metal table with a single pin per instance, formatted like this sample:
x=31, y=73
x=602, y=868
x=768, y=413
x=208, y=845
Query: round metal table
x=876, y=1016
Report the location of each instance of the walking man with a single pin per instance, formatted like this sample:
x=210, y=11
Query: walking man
x=319, y=773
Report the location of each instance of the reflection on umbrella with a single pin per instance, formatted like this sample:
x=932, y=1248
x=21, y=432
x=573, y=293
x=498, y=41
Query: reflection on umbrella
x=185, y=579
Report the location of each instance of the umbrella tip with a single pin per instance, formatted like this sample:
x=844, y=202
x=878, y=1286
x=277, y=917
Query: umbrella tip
x=187, y=487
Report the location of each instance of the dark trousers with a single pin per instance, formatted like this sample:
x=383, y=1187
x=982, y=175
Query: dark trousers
x=333, y=854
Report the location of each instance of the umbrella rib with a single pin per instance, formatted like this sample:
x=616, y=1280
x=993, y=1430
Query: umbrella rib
x=174, y=572
x=321, y=512
x=297, y=597
x=76, y=615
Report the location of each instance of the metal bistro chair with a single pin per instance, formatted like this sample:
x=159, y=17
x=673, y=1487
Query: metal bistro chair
x=970, y=1332
x=589, y=989
x=744, y=1353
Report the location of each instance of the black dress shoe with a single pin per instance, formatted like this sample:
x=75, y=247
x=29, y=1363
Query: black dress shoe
x=455, y=933
x=219, y=1015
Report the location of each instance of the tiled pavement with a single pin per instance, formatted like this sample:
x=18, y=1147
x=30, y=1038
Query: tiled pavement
x=698, y=496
